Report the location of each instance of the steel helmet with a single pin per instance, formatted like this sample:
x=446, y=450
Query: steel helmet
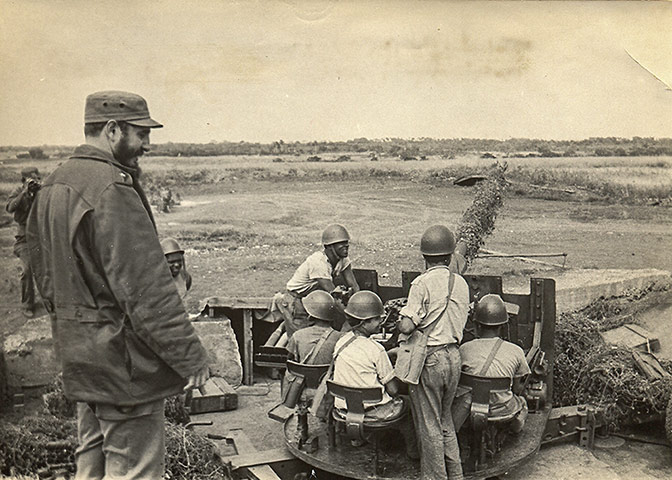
x=334, y=233
x=437, y=240
x=170, y=245
x=490, y=310
x=364, y=305
x=319, y=304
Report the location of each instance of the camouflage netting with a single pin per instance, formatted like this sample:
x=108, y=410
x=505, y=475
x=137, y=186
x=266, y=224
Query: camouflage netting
x=478, y=221
x=36, y=442
x=30, y=445
x=587, y=370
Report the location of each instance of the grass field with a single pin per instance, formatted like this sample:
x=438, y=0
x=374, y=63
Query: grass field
x=612, y=179
x=247, y=222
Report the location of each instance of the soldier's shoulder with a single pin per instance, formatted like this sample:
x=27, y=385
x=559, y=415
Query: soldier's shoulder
x=421, y=278
x=89, y=178
x=90, y=174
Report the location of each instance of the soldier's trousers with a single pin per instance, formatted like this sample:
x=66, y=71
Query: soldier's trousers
x=120, y=442
x=431, y=400
x=26, y=276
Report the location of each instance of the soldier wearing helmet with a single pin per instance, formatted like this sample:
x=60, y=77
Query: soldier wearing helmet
x=490, y=316
x=363, y=362
x=178, y=268
x=438, y=303
x=313, y=345
x=319, y=272
x=316, y=342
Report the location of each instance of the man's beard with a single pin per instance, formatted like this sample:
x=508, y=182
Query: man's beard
x=126, y=155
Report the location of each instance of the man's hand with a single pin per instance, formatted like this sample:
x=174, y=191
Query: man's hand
x=198, y=379
x=342, y=294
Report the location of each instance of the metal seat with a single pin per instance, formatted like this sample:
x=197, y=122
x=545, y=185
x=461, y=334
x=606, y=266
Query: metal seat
x=312, y=374
x=353, y=419
x=306, y=376
x=487, y=430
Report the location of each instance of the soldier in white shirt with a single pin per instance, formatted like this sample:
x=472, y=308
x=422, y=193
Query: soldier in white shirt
x=318, y=272
x=434, y=307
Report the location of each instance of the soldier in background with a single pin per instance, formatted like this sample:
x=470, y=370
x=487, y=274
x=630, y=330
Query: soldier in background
x=178, y=268
x=19, y=204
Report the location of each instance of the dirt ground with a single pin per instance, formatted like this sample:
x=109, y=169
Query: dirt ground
x=245, y=238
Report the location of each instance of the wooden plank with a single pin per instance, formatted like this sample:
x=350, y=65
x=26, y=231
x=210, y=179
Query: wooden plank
x=632, y=336
x=255, y=462
x=524, y=259
x=241, y=441
x=248, y=348
x=257, y=303
x=648, y=364
x=255, y=458
x=263, y=472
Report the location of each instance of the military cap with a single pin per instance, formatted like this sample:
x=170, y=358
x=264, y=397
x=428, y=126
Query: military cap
x=121, y=106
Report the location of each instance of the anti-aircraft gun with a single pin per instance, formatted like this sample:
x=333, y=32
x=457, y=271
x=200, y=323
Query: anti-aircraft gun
x=327, y=446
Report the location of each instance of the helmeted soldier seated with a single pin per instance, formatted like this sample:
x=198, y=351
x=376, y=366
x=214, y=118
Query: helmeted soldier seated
x=491, y=356
x=362, y=362
x=313, y=345
x=318, y=272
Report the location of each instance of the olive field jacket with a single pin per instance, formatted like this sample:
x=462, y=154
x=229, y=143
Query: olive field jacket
x=119, y=327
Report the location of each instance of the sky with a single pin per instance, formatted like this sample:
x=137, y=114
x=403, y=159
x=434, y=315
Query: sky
x=301, y=70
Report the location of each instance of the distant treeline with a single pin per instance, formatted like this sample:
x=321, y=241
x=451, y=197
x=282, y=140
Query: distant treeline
x=402, y=148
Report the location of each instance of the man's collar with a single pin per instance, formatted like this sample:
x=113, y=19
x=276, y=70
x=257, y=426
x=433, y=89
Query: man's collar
x=95, y=153
x=434, y=267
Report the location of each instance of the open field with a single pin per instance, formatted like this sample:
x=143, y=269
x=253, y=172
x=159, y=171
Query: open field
x=247, y=222
x=616, y=179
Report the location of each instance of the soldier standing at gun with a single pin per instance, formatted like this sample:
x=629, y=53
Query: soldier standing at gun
x=438, y=303
x=19, y=204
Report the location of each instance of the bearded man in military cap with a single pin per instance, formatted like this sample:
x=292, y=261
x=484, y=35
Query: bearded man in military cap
x=19, y=204
x=119, y=326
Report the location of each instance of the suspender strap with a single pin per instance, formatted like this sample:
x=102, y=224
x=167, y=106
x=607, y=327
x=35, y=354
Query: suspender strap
x=350, y=340
x=333, y=361
x=491, y=357
x=428, y=328
x=316, y=348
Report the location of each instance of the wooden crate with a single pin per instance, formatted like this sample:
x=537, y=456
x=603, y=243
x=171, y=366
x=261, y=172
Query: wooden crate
x=215, y=396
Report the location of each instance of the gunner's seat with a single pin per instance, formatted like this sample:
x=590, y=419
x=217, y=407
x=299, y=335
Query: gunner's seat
x=488, y=432
x=353, y=422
